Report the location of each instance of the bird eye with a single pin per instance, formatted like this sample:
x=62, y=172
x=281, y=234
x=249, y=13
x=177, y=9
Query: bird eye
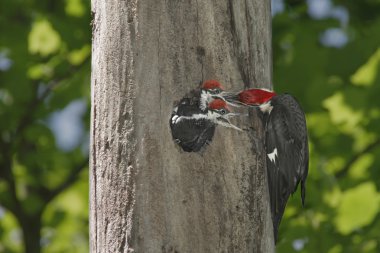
x=216, y=91
x=222, y=111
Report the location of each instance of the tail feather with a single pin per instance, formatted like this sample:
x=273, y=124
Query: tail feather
x=303, y=192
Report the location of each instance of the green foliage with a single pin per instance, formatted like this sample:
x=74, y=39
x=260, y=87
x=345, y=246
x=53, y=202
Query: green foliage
x=339, y=89
x=362, y=199
x=47, y=50
x=66, y=220
x=48, y=43
x=75, y=8
x=366, y=74
x=43, y=39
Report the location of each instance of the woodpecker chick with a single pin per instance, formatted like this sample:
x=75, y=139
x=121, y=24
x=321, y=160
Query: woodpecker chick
x=192, y=127
x=210, y=90
x=220, y=113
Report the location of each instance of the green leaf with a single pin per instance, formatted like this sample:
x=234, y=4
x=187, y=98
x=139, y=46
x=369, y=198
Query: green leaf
x=366, y=74
x=358, y=208
x=74, y=8
x=359, y=169
x=341, y=113
x=9, y=225
x=333, y=197
x=43, y=39
x=370, y=246
x=336, y=249
x=335, y=164
x=76, y=57
x=39, y=71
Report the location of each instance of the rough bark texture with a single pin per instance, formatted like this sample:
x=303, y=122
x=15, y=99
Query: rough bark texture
x=146, y=194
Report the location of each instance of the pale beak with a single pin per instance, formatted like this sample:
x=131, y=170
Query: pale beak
x=233, y=114
x=235, y=102
x=226, y=123
x=231, y=98
x=224, y=95
x=227, y=94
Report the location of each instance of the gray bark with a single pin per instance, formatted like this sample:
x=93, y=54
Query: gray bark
x=146, y=194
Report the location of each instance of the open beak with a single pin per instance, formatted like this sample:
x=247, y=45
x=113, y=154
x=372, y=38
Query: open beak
x=225, y=95
x=228, y=94
x=231, y=98
x=227, y=123
x=234, y=114
x=237, y=103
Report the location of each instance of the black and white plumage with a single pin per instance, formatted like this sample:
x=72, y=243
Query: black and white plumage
x=194, y=118
x=193, y=127
x=287, y=151
x=189, y=132
x=286, y=145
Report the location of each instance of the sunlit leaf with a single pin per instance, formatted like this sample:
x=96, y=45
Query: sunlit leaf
x=11, y=236
x=359, y=169
x=39, y=71
x=335, y=164
x=43, y=39
x=369, y=246
x=363, y=199
x=362, y=138
x=74, y=8
x=333, y=197
x=76, y=57
x=336, y=249
x=290, y=211
x=317, y=219
x=367, y=73
x=341, y=113
x=66, y=218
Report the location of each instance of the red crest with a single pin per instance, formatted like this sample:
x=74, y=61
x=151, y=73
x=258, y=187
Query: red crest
x=211, y=84
x=217, y=104
x=255, y=96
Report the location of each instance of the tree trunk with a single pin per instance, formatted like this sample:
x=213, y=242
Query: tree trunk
x=146, y=194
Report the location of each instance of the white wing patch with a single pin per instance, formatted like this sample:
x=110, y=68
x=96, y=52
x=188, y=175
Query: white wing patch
x=198, y=116
x=272, y=156
x=174, y=119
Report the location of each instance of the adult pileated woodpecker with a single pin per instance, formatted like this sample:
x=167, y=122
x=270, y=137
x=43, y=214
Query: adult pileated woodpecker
x=286, y=144
x=193, y=127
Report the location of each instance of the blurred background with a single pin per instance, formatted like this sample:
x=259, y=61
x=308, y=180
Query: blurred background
x=326, y=53
x=45, y=51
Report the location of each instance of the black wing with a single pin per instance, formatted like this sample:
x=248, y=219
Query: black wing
x=190, y=134
x=287, y=154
